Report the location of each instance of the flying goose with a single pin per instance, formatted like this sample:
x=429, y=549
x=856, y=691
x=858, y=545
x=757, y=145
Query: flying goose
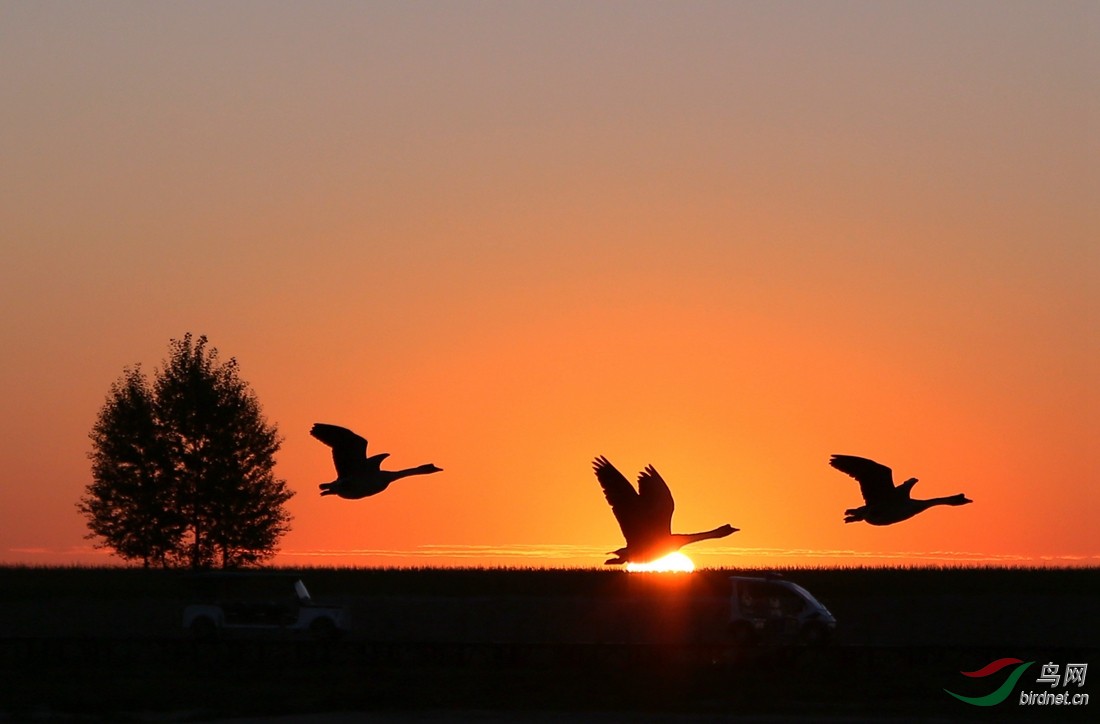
x=886, y=503
x=358, y=476
x=645, y=515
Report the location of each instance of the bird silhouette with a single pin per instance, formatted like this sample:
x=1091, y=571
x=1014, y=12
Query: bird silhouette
x=886, y=503
x=358, y=476
x=645, y=515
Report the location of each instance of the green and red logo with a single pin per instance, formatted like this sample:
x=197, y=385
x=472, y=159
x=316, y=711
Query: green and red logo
x=1001, y=692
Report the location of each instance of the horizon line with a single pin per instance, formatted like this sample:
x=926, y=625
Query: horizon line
x=571, y=552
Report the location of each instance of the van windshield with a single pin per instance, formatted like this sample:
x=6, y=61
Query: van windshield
x=806, y=594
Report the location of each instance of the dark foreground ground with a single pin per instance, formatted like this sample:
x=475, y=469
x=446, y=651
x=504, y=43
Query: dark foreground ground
x=493, y=645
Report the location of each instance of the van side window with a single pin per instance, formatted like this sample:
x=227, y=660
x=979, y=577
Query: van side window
x=753, y=599
x=785, y=602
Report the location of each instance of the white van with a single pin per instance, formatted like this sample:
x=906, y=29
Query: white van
x=771, y=609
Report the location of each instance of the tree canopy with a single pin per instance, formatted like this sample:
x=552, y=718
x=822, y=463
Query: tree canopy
x=183, y=466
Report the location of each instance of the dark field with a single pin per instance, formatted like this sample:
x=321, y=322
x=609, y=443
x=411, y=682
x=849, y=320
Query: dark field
x=108, y=644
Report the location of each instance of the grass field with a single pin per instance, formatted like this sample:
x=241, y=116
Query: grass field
x=107, y=642
x=26, y=582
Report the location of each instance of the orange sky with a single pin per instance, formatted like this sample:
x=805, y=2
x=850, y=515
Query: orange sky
x=725, y=239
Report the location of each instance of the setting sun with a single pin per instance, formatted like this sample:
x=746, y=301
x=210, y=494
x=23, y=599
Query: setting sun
x=672, y=563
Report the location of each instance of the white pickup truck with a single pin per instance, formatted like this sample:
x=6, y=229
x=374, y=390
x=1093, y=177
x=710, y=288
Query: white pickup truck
x=259, y=604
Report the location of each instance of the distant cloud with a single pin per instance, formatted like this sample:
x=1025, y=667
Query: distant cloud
x=548, y=551
x=70, y=555
x=574, y=555
x=970, y=556
x=551, y=552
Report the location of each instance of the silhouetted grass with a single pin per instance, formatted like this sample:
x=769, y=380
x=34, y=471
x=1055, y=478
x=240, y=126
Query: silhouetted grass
x=917, y=580
x=33, y=582
x=95, y=582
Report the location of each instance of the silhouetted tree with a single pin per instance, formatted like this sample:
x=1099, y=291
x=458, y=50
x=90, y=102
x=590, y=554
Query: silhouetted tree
x=183, y=466
x=129, y=503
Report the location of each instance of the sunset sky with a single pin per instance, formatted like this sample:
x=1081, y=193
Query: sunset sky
x=728, y=239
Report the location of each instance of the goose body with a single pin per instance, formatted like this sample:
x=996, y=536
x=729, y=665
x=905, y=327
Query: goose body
x=645, y=515
x=886, y=503
x=358, y=476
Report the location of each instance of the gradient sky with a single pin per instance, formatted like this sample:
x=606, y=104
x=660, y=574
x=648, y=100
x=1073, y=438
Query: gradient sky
x=727, y=239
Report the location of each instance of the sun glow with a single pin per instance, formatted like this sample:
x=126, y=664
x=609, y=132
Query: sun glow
x=672, y=563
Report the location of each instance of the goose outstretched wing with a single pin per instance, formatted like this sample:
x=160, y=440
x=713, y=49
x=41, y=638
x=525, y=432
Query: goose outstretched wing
x=876, y=481
x=656, y=500
x=349, y=451
x=620, y=494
